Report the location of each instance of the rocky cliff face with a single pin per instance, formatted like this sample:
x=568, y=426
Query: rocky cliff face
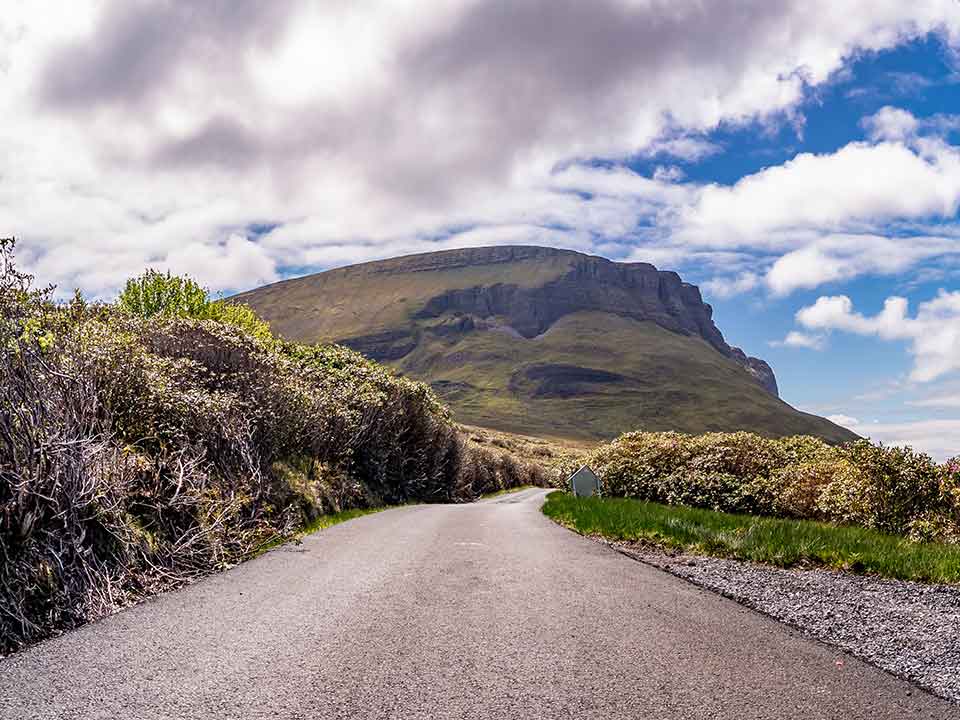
x=540, y=341
x=635, y=290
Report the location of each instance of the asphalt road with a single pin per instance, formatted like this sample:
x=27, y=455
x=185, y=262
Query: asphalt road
x=477, y=611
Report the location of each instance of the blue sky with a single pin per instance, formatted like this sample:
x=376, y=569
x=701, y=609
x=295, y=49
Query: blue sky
x=799, y=161
x=860, y=377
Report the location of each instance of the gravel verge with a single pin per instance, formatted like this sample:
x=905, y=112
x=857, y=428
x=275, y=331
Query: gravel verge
x=907, y=628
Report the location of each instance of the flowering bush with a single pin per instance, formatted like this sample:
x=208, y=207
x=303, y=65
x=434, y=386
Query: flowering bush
x=794, y=490
x=894, y=490
x=882, y=488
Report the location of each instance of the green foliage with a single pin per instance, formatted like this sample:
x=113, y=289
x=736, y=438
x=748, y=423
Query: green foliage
x=155, y=293
x=239, y=316
x=890, y=489
x=178, y=296
x=784, y=543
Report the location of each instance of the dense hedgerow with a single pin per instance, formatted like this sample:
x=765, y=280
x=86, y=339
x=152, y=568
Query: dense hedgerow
x=153, y=441
x=891, y=489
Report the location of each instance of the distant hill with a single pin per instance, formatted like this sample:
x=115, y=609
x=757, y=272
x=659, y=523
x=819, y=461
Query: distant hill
x=543, y=342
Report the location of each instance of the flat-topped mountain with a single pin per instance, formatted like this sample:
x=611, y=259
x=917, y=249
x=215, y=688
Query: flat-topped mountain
x=542, y=341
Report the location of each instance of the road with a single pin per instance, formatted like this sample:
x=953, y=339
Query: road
x=473, y=611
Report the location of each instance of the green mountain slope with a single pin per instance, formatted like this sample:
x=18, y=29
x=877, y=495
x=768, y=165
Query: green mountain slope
x=543, y=342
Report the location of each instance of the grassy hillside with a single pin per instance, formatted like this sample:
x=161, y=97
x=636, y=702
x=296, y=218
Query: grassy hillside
x=589, y=375
x=651, y=378
x=372, y=297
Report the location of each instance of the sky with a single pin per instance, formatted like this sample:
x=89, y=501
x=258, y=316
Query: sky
x=798, y=160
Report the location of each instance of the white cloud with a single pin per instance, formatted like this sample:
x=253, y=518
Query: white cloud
x=859, y=184
x=802, y=340
x=690, y=149
x=235, y=262
x=137, y=134
x=933, y=333
x=890, y=123
x=728, y=287
x=839, y=257
x=818, y=219
x=668, y=173
x=945, y=401
x=844, y=420
x=938, y=438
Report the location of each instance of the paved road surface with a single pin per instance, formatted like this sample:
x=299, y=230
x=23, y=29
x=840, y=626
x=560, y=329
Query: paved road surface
x=483, y=611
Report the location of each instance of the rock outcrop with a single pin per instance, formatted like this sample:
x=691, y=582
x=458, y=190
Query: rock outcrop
x=635, y=290
x=541, y=341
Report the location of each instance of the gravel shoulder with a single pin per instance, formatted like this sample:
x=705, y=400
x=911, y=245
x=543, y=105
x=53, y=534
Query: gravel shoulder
x=906, y=628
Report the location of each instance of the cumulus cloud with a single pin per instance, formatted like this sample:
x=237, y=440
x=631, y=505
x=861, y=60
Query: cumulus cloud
x=844, y=420
x=235, y=262
x=157, y=132
x=890, y=123
x=859, y=183
x=933, y=333
x=938, y=438
x=860, y=210
x=839, y=257
x=728, y=287
x=798, y=339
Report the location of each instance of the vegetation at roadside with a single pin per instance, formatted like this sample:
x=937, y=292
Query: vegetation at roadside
x=775, y=541
x=559, y=458
x=894, y=490
x=150, y=441
x=322, y=523
x=505, y=491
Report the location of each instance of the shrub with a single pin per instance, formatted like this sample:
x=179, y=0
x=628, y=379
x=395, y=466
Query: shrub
x=155, y=293
x=950, y=486
x=636, y=464
x=721, y=491
x=177, y=296
x=794, y=491
x=151, y=442
x=882, y=488
x=894, y=490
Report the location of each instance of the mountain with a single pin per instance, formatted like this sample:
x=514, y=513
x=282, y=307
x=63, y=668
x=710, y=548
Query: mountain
x=543, y=341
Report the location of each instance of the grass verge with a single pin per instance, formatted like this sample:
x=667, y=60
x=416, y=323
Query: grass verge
x=506, y=491
x=321, y=523
x=784, y=543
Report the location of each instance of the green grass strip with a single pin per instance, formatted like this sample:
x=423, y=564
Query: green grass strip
x=506, y=491
x=774, y=541
x=321, y=523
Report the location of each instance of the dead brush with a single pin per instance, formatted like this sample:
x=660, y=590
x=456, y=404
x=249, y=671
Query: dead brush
x=139, y=453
